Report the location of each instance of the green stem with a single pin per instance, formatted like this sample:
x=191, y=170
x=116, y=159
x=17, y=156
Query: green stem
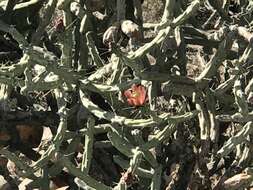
x=89, y=140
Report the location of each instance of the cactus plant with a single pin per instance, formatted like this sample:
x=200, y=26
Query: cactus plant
x=168, y=105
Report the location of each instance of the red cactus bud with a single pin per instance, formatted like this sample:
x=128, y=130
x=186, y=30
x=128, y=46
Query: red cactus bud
x=136, y=95
x=59, y=25
x=128, y=177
